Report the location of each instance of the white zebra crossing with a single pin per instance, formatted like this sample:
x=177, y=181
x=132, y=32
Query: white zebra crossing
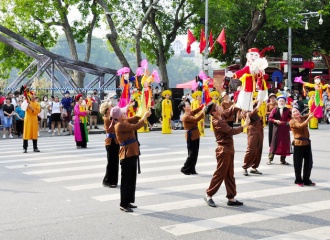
x=243, y=218
x=320, y=233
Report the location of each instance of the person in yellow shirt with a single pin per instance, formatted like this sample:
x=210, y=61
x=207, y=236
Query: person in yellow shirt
x=215, y=99
x=30, y=131
x=196, y=103
x=167, y=112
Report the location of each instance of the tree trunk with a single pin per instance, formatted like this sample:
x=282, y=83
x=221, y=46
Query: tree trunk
x=112, y=37
x=258, y=19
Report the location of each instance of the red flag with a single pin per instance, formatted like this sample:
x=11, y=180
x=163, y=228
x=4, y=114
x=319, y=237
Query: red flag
x=190, y=41
x=211, y=42
x=222, y=40
x=202, y=43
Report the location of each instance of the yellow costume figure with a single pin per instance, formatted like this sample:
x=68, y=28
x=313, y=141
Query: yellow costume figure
x=313, y=122
x=215, y=96
x=197, y=96
x=167, y=112
x=145, y=127
x=30, y=131
x=131, y=111
x=262, y=113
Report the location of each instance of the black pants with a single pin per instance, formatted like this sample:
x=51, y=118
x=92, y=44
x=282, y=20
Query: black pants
x=190, y=164
x=111, y=174
x=270, y=132
x=19, y=127
x=26, y=144
x=300, y=154
x=128, y=180
x=83, y=142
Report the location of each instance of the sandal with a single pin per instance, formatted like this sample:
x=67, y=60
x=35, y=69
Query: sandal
x=269, y=162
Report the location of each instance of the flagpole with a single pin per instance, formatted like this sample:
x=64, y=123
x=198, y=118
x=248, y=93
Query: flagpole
x=206, y=51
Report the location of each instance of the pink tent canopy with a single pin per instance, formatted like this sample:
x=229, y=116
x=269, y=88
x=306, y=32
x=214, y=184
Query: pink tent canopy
x=191, y=83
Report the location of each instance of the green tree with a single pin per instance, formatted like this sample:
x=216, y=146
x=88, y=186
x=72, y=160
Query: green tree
x=36, y=20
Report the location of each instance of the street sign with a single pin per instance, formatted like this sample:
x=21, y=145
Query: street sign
x=297, y=59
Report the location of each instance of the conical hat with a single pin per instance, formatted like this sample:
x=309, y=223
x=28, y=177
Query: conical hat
x=166, y=92
x=196, y=94
x=215, y=94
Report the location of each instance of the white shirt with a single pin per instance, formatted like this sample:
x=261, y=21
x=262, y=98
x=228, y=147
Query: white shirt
x=56, y=107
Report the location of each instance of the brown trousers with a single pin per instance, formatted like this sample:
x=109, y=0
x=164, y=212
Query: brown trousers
x=224, y=172
x=254, y=150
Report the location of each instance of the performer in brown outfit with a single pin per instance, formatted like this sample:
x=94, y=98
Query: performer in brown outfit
x=112, y=146
x=190, y=122
x=226, y=104
x=128, y=153
x=301, y=148
x=224, y=154
x=272, y=104
x=255, y=142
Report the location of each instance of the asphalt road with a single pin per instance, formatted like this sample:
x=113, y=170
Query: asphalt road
x=57, y=194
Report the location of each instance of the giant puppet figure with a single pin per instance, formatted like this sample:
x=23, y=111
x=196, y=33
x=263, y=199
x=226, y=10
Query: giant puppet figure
x=253, y=78
x=318, y=100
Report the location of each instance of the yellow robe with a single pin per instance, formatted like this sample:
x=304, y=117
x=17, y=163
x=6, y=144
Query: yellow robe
x=313, y=122
x=194, y=105
x=262, y=112
x=31, y=122
x=218, y=104
x=166, y=115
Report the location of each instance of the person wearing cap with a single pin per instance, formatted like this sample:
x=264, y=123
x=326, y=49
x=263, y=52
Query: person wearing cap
x=195, y=104
x=215, y=99
x=302, y=150
x=255, y=140
x=80, y=123
x=67, y=105
x=269, y=107
x=112, y=147
x=167, y=112
x=226, y=104
x=30, y=131
x=190, y=121
x=224, y=155
x=125, y=129
x=280, y=145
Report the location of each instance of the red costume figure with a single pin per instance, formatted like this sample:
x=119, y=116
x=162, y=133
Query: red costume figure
x=253, y=78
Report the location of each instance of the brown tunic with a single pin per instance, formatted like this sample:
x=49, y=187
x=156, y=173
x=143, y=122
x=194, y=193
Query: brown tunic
x=255, y=141
x=126, y=131
x=270, y=107
x=225, y=106
x=107, y=122
x=225, y=158
x=300, y=130
x=190, y=121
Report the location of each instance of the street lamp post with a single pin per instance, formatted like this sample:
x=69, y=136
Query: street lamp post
x=206, y=51
x=312, y=14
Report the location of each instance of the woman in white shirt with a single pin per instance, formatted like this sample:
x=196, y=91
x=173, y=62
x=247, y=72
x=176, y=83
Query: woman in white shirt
x=43, y=113
x=56, y=108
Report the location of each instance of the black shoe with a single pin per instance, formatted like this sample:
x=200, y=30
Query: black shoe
x=113, y=186
x=255, y=171
x=131, y=206
x=194, y=173
x=209, y=202
x=106, y=185
x=126, y=209
x=36, y=150
x=285, y=163
x=245, y=172
x=96, y=127
x=236, y=203
x=25, y=151
x=185, y=173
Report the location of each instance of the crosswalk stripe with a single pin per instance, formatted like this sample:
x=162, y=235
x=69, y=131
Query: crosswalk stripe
x=90, y=160
x=83, y=155
x=159, y=191
x=320, y=233
x=154, y=169
x=239, y=219
x=169, y=206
